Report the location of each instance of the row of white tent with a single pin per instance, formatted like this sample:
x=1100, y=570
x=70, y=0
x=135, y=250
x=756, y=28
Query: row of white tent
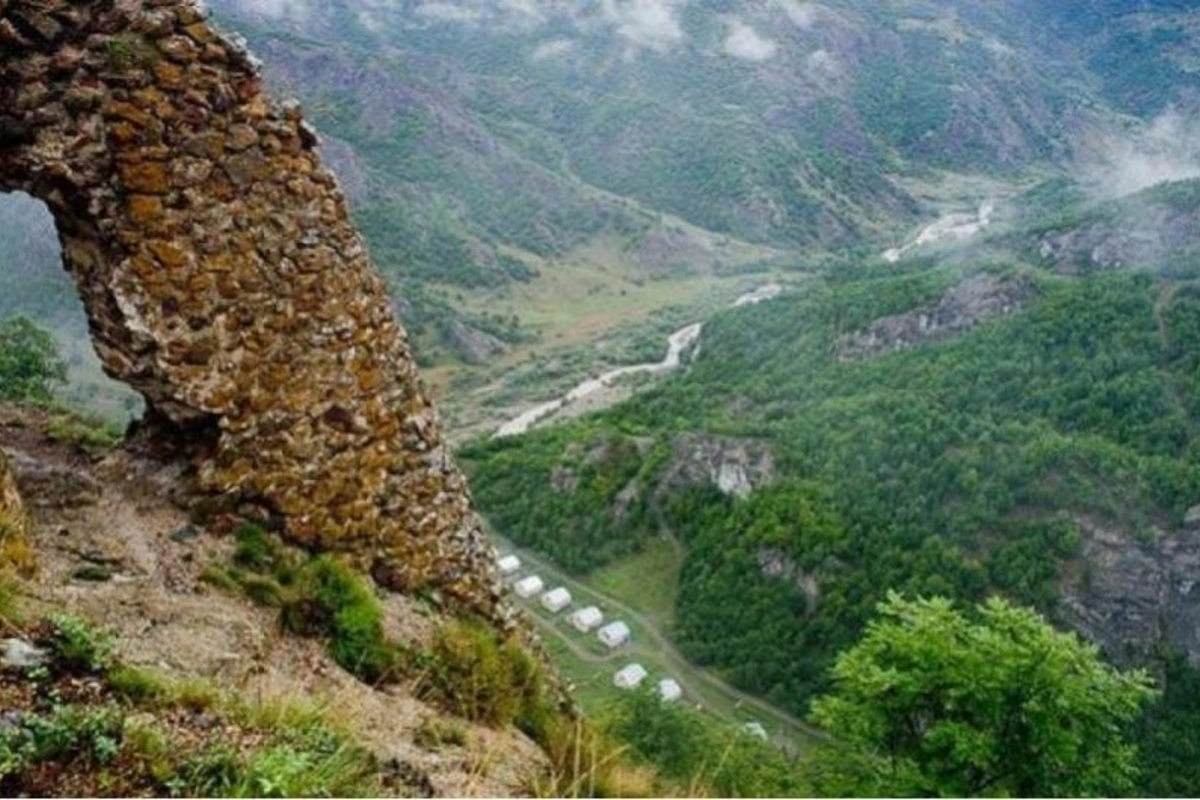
x=614, y=634
x=632, y=675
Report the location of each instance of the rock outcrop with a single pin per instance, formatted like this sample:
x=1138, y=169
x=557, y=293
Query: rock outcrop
x=1131, y=595
x=223, y=280
x=736, y=466
x=961, y=308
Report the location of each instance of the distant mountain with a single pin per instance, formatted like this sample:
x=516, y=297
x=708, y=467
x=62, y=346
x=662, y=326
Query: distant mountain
x=485, y=141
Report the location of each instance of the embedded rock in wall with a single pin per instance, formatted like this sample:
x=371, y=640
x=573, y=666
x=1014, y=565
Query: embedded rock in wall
x=223, y=279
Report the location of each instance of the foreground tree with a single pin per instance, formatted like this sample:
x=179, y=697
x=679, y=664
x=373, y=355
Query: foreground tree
x=934, y=702
x=29, y=362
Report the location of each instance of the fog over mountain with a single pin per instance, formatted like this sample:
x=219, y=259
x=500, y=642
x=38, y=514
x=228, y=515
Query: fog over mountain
x=1165, y=149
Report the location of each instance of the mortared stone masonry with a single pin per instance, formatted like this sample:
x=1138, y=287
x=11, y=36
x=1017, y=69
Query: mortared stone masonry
x=224, y=280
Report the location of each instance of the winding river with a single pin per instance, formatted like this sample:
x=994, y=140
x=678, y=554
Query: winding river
x=950, y=226
x=678, y=343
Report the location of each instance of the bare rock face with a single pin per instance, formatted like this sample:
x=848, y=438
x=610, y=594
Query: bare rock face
x=736, y=466
x=1133, y=594
x=961, y=308
x=223, y=280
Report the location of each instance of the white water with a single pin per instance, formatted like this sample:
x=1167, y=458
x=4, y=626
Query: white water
x=677, y=344
x=950, y=226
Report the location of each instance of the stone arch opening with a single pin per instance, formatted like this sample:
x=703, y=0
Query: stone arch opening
x=223, y=280
x=34, y=284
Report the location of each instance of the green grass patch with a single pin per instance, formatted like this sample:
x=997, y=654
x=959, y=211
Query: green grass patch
x=646, y=582
x=88, y=433
x=119, y=736
x=317, y=596
x=327, y=599
x=475, y=673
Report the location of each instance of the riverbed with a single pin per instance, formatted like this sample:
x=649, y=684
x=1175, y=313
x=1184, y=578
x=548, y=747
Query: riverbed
x=681, y=341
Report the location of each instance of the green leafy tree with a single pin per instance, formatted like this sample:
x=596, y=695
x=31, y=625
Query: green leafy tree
x=29, y=362
x=936, y=702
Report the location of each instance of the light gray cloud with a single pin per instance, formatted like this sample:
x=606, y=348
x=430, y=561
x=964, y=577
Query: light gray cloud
x=652, y=24
x=276, y=9
x=638, y=24
x=823, y=66
x=449, y=12
x=801, y=14
x=744, y=42
x=1166, y=150
x=552, y=49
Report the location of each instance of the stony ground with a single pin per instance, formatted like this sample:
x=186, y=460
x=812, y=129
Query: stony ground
x=113, y=549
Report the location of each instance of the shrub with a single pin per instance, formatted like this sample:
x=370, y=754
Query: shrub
x=328, y=599
x=30, y=366
x=84, y=432
x=255, y=549
x=474, y=674
x=78, y=646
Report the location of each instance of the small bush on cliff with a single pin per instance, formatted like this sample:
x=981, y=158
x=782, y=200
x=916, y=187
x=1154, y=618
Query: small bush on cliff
x=15, y=551
x=475, y=674
x=78, y=646
x=328, y=599
x=316, y=597
x=88, y=433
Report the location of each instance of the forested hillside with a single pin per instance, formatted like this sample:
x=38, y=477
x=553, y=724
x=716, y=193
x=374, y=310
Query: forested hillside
x=939, y=428
x=492, y=148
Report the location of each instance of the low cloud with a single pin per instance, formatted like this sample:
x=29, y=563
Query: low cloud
x=552, y=49
x=276, y=9
x=449, y=12
x=639, y=24
x=803, y=15
x=745, y=43
x=1167, y=150
x=822, y=67
x=652, y=24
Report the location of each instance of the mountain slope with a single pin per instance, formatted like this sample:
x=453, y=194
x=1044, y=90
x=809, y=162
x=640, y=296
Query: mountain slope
x=1028, y=429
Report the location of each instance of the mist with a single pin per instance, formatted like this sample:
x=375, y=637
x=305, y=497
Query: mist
x=1167, y=149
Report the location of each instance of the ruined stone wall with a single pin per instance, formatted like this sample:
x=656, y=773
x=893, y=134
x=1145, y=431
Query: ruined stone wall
x=223, y=279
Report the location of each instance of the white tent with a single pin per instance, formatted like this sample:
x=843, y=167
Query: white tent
x=669, y=690
x=587, y=618
x=528, y=586
x=630, y=676
x=509, y=564
x=756, y=730
x=614, y=634
x=556, y=600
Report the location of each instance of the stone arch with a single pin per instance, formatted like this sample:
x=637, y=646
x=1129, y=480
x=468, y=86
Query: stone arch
x=223, y=280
